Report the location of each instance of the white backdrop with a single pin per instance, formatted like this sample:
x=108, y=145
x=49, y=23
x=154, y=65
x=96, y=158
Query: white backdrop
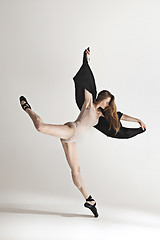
x=42, y=44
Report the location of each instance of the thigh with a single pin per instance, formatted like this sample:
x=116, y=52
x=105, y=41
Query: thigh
x=64, y=131
x=71, y=153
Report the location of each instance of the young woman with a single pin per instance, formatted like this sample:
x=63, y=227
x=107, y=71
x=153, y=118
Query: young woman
x=91, y=111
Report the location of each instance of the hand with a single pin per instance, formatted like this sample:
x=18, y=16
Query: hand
x=142, y=124
x=87, y=54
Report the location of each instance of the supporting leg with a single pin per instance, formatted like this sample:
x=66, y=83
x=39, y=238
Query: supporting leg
x=71, y=154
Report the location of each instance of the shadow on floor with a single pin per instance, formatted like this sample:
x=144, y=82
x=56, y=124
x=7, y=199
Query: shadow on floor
x=18, y=210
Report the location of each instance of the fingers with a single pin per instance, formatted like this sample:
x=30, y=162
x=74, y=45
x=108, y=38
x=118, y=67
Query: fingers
x=87, y=51
x=143, y=126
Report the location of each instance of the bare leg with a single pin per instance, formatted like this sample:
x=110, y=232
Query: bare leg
x=60, y=131
x=65, y=132
x=37, y=121
x=71, y=154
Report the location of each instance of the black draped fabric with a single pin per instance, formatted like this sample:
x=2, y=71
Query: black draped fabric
x=85, y=79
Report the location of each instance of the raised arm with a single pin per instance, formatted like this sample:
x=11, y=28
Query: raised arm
x=84, y=79
x=88, y=102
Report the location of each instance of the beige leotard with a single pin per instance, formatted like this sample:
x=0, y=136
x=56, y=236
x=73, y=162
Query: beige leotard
x=87, y=118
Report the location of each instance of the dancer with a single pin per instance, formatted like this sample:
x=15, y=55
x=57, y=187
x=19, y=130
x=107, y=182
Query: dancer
x=90, y=114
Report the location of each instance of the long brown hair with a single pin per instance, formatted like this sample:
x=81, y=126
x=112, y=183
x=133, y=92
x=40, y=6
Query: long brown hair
x=110, y=112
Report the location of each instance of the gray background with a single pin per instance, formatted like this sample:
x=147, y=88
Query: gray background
x=42, y=44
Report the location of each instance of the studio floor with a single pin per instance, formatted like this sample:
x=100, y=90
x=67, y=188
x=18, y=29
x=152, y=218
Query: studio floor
x=69, y=220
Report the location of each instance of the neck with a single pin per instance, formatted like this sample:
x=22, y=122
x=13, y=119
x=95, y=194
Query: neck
x=96, y=105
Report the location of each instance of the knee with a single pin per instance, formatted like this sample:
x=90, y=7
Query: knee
x=39, y=127
x=75, y=171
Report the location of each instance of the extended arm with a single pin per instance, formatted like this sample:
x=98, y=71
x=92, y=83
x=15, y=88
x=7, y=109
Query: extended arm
x=129, y=118
x=132, y=119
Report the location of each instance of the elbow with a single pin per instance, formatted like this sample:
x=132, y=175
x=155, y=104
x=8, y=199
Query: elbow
x=122, y=117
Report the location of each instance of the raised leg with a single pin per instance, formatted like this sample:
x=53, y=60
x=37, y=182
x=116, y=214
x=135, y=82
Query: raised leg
x=59, y=131
x=71, y=154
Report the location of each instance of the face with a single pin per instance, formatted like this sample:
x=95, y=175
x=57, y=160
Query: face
x=105, y=102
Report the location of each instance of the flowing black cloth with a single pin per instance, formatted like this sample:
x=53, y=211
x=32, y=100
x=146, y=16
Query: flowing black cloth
x=85, y=79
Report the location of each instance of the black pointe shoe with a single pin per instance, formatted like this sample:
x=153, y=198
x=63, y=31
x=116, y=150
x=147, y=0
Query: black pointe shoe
x=26, y=104
x=91, y=207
